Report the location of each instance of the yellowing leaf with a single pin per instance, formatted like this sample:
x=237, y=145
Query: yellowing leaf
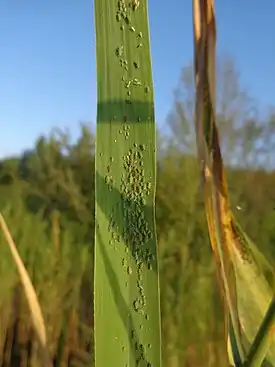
x=244, y=274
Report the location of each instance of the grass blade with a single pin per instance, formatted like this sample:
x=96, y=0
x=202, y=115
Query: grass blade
x=255, y=287
x=261, y=344
x=127, y=308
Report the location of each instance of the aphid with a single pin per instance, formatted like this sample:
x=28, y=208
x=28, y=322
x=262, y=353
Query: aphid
x=107, y=179
x=140, y=35
x=136, y=64
x=132, y=29
x=127, y=85
x=136, y=82
x=139, y=45
x=135, y=5
x=119, y=51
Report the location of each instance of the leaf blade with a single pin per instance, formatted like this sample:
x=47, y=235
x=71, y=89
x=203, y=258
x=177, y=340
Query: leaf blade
x=126, y=265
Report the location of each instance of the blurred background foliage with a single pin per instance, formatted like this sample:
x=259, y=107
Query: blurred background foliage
x=47, y=198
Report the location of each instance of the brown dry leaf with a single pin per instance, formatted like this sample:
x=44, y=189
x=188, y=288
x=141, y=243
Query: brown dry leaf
x=35, y=309
x=212, y=172
x=246, y=279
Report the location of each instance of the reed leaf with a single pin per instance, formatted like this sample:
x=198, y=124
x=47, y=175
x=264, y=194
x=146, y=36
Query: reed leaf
x=127, y=306
x=245, y=276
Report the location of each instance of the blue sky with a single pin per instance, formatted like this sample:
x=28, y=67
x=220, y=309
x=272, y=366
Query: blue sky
x=47, y=63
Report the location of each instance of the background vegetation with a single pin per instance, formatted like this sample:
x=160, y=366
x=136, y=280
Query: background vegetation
x=47, y=198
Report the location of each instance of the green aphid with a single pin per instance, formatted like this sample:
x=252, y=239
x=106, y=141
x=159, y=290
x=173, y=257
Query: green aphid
x=107, y=179
x=136, y=305
x=149, y=185
x=129, y=270
x=136, y=82
x=135, y=5
x=119, y=51
x=136, y=64
x=132, y=29
x=139, y=45
x=127, y=84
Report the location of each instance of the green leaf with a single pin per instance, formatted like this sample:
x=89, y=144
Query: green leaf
x=261, y=343
x=254, y=287
x=127, y=307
